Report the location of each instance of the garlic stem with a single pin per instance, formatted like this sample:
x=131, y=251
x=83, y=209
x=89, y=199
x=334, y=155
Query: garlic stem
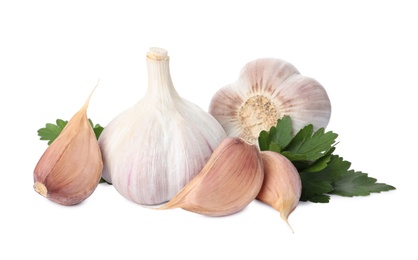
x=160, y=85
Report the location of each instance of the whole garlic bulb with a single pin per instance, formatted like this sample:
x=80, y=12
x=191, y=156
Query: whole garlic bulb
x=266, y=90
x=153, y=149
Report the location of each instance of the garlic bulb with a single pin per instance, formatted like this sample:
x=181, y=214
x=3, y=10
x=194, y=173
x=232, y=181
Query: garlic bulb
x=266, y=90
x=230, y=180
x=70, y=169
x=153, y=149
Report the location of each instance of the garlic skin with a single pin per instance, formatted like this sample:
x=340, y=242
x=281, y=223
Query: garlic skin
x=70, y=169
x=230, y=180
x=282, y=186
x=153, y=149
x=266, y=90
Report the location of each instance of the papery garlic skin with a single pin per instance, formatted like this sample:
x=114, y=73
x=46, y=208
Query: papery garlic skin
x=70, y=169
x=282, y=186
x=230, y=181
x=266, y=90
x=153, y=149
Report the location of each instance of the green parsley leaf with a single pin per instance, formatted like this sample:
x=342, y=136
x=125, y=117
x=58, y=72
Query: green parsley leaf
x=51, y=131
x=319, y=183
x=278, y=137
x=321, y=163
x=358, y=184
x=98, y=129
x=309, y=145
x=283, y=134
x=322, y=173
x=264, y=139
x=304, y=149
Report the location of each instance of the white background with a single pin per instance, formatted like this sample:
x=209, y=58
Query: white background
x=364, y=53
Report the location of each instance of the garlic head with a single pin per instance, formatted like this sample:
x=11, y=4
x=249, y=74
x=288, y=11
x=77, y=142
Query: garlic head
x=153, y=149
x=267, y=90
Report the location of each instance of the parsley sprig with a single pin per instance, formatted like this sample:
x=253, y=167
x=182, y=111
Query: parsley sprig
x=51, y=131
x=322, y=173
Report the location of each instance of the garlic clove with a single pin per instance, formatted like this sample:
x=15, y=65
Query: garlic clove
x=230, y=180
x=282, y=186
x=153, y=149
x=266, y=90
x=70, y=169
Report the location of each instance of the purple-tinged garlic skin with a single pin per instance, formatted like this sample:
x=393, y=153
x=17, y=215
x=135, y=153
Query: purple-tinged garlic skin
x=282, y=186
x=267, y=90
x=153, y=149
x=70, y=169
x=230, y=181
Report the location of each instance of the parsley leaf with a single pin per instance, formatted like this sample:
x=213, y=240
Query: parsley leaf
x=321, y=163
x=310, y=146
x=316, y=184
x=358, y=184
x=322, y=173
x=97, y=129
x=278, y=137
x=304, y=149
x=51, y=131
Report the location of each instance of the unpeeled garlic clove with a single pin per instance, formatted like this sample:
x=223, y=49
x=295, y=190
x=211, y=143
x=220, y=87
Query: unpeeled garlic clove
x=230, y=180
x=70, y=169
x=282, y=186
x=267, y=90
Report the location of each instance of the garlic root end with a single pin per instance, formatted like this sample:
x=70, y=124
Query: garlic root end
x=41, y=189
